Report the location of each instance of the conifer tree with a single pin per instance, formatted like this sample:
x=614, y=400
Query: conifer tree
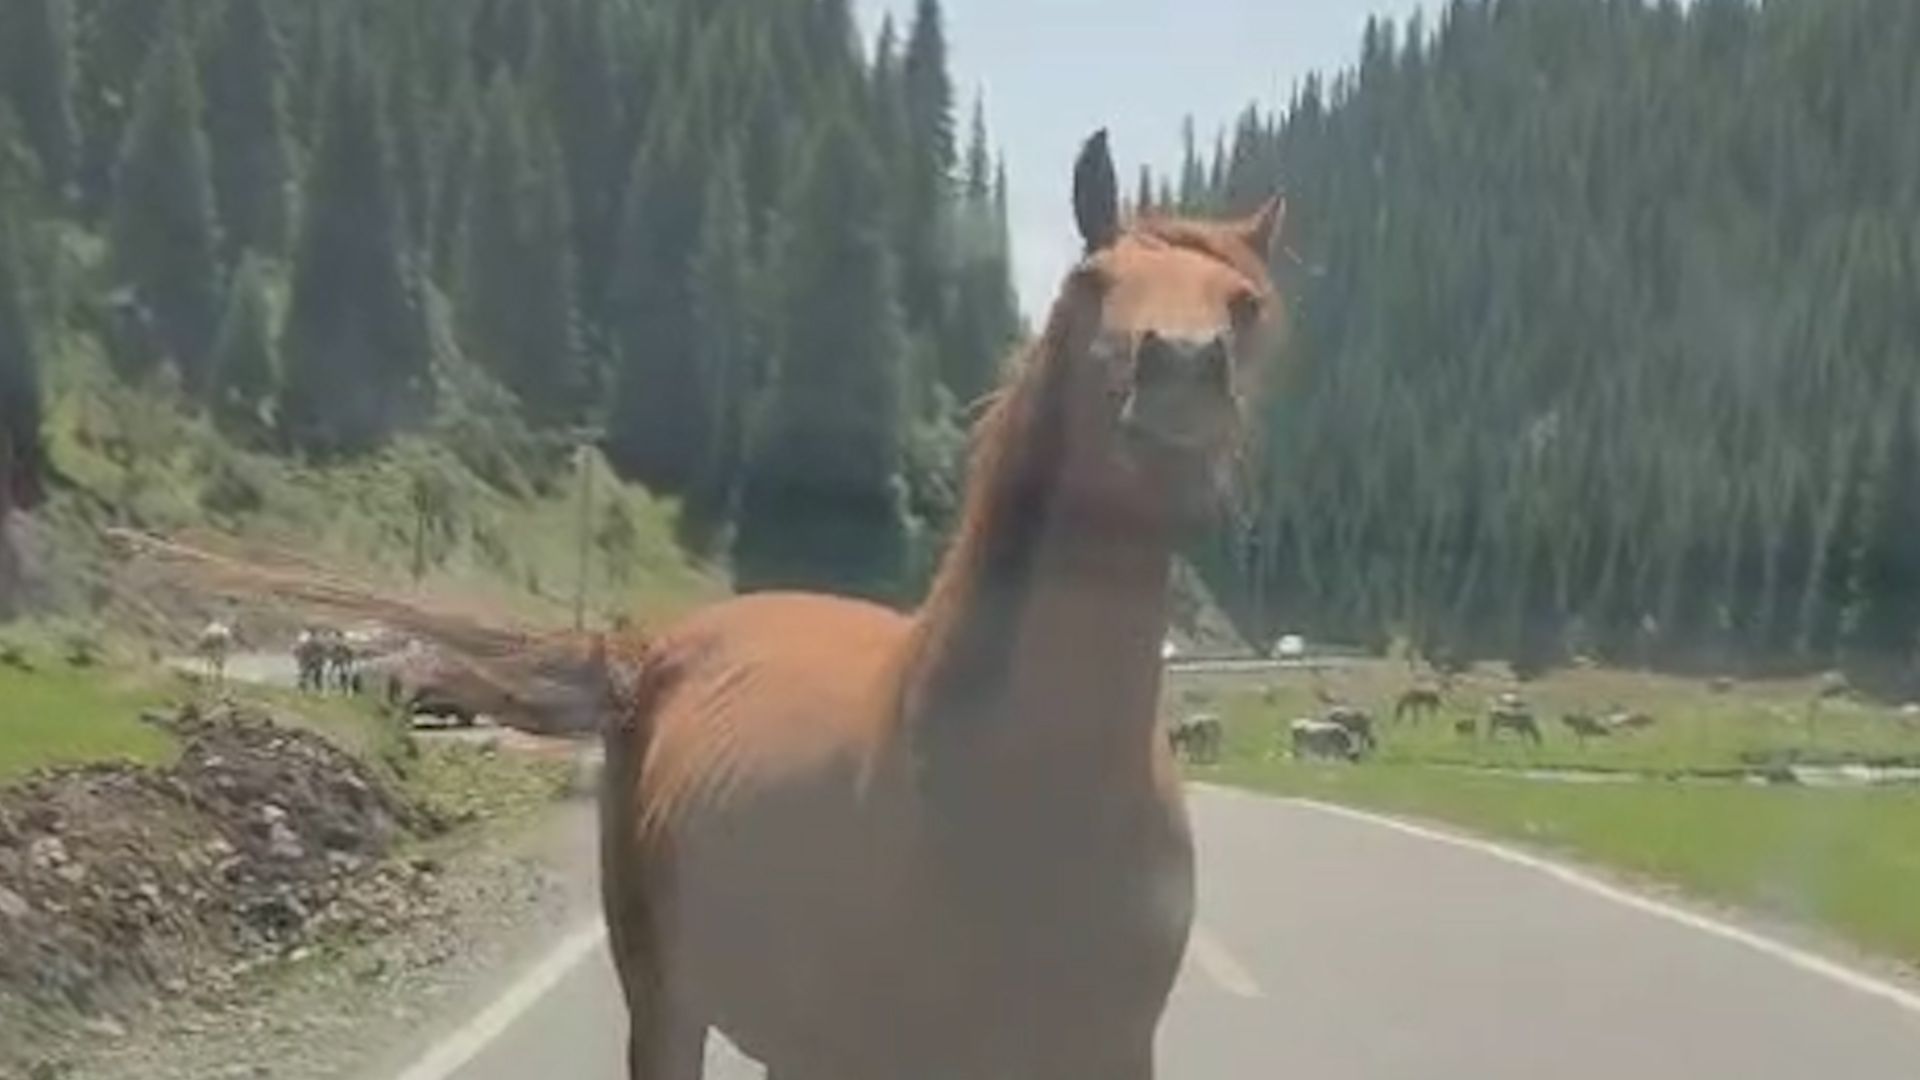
x=247, y=131
x=164, y=233
x=37, y=73
x=355, y=342
x=822, y=501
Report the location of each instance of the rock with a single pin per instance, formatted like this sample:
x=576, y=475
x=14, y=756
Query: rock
x=283, y=843
x=46, y=853
x=106, y=1027
x=13, y=905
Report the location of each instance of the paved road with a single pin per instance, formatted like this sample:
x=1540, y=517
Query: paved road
x=1338, y=949
x=261, y=668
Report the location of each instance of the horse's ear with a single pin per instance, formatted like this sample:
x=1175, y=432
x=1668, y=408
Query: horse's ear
x=1264, y=228
x=1096, y=194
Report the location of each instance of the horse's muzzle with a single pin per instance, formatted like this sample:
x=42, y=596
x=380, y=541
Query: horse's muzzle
x=1181, y=411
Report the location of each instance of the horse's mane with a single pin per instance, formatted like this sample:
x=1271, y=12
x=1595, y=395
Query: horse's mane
x=1212, y=239
x=1016, y=449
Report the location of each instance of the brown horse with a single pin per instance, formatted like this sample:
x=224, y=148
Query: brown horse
x=869, y=846
x=953, y=845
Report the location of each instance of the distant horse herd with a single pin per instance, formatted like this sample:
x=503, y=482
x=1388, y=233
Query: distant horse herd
x=1346, y=732
x=327, y=660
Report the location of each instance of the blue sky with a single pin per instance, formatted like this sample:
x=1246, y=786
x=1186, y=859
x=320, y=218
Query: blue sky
x=1054, y=70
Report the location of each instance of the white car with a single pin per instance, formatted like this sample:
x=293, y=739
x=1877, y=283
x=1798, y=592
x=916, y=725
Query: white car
x=1290, y=647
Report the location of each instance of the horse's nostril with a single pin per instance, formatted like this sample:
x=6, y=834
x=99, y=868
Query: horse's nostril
x=1155, y=361
x=1216, y=366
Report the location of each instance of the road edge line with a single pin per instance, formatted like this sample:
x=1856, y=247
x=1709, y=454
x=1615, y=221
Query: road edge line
x=1218, y=963
x=450, y=1054
x=1791, y=955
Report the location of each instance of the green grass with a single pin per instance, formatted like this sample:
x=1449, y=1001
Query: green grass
x=1848, y=861
x=59, y=716
x=357, y=725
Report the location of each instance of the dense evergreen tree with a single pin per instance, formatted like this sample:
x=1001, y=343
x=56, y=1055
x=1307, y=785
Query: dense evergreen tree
x=581, y=86
x=411, y=144
x=246, y=125
x=593, y=201
x=659, y=421
x=821, y=502
x=113, y=39
x=516, y=280
x=984, y=317
x=490, y=278
x=355, y=339
x=928, y=90
x=729, y=356
x=456, y=146
x=21, y=460
x=1193, y=179
x=37, y=73
x=1601, y=336
x=246, y=357
x=164, y=233
x=924, y=257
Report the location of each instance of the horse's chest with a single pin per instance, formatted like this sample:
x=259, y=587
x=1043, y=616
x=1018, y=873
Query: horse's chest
x=1083, y=915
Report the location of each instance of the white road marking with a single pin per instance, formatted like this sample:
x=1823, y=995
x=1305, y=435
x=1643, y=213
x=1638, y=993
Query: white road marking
x=1811, y=963
x=456, y=1050
x=1219, y=965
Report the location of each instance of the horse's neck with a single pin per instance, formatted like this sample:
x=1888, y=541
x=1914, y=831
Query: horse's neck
x=1087, y=670
x=1048, y=665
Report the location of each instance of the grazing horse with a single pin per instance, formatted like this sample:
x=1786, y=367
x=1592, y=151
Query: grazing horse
x=310, y=659
x=1309, y=739
x=1416, y=704
x=1197, y=737
x=340, y=660
x=1629, y=720
x=1359, y=724
x=1509, y=713
x=213, y=647
x=952, y=844
x=1585, y=727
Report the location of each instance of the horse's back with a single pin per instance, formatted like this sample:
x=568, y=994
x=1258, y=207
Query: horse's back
x=773, y=683
x=763, y=713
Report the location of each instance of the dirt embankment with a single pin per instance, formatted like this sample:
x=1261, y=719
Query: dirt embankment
x=120, y=884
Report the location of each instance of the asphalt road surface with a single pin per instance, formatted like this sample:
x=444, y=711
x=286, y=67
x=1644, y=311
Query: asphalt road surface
x=1335, y=948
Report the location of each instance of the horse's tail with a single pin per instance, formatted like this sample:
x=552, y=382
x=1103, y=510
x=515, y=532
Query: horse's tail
x=564, y=683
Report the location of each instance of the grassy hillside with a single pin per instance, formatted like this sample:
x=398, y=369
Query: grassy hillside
x=466, y=503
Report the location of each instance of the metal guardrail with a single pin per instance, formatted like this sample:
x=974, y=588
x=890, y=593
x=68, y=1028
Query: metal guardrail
x=1200, y=665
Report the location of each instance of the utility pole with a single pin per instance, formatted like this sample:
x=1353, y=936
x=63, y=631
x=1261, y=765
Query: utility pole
x=585, y=526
